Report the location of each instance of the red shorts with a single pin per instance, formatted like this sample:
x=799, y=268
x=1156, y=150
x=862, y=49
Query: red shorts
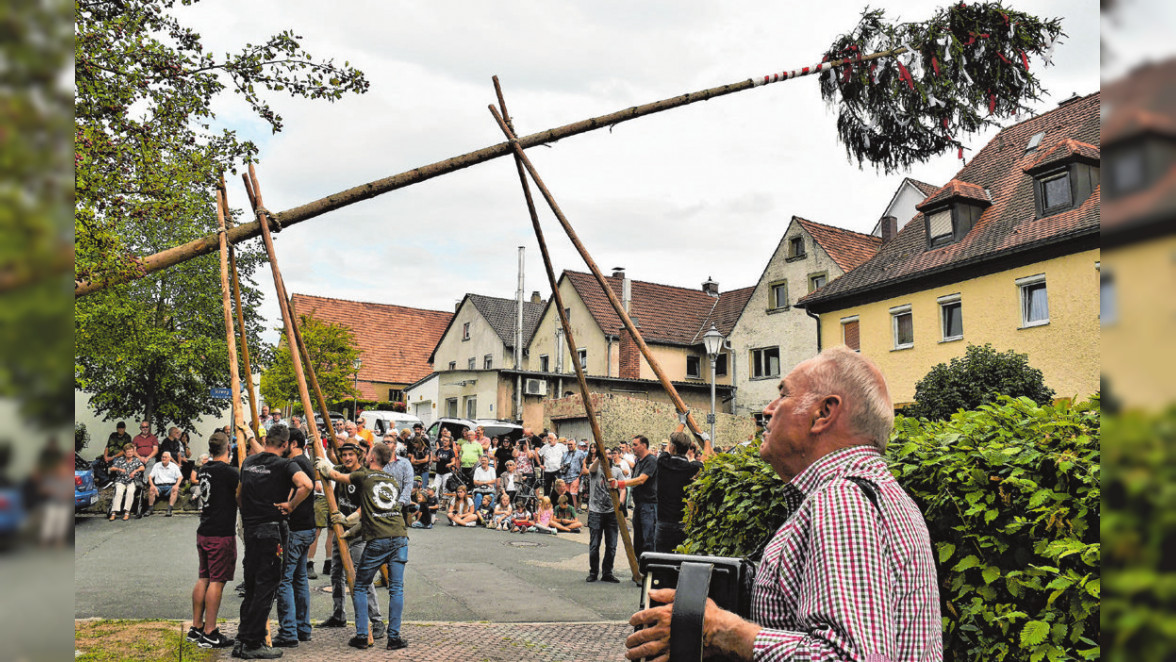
x=218, y=557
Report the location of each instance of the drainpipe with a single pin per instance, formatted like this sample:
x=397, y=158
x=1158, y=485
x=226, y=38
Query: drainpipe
x=818, y=318
x=731, y=374
x=518, y=348
x=608, y=355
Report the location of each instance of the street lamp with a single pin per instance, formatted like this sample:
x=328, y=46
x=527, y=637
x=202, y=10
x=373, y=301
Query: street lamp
x=354, y=399
x=713, y=340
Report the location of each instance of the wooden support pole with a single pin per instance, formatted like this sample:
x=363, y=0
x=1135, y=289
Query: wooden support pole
x=314, y=385
x=589, y=408
x=254, y=192
x=230, y=339
x=207, y=244
x=612, y=297
x=240, y=315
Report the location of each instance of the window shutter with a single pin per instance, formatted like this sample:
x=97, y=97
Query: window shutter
x=940, y=223
x=849, y=331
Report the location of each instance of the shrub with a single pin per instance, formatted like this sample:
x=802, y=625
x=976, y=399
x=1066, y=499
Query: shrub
x=81, y=437
x=977, y=378
x=1011, y=497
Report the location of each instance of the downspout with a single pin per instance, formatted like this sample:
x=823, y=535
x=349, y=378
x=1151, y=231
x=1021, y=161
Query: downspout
x=518, y=348
x=731, y=373
x=818, y=318
x=608, y=356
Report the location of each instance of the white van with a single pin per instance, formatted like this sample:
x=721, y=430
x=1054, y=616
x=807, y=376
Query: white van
x=380, y=422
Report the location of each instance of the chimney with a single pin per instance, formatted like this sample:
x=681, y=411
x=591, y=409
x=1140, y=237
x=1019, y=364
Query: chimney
x=629, y=356
x=618, y=272
x=627, y=295
x=535, y=298
x=711, y=287
x=889, y=228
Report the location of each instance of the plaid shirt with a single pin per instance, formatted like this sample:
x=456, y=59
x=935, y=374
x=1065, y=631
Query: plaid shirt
x=843, y=579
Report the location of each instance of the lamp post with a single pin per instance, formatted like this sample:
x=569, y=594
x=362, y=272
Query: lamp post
x=355, y=398
x=713, y=340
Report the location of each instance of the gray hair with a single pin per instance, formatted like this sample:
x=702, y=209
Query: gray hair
x=842, y=371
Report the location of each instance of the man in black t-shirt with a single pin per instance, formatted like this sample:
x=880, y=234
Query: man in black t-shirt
x=294, y=589
x=674, y=473
x=271, y=488
x=644, y=490
x=216, y=542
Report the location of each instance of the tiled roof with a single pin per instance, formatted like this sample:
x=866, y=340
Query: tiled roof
x=394, y=341
x=1064, y=151
x=927, y=189
x=847, y=248
x=953, y=190
x=664, y=313
x=502, y=314
x=1008, y=225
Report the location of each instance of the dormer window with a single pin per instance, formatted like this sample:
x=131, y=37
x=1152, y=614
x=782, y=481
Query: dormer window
x=939, y=229
x=951, y=212
x=1055, y=191
x=1064, y=176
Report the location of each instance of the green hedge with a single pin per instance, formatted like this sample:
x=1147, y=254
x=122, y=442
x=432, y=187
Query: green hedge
x=1011, y=496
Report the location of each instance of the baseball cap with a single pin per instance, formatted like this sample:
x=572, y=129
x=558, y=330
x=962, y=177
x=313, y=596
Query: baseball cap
x=583, y=444
x=354, y=448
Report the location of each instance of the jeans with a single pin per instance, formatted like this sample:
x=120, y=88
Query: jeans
x=263, y=572
x=294, y=589
x=668, y=536
x=601, y=525
x=394, y=552
x=339, y=581
x=644, y=527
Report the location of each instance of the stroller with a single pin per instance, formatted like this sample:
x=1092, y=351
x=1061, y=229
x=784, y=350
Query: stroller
x=449, y=489
x=526, y=496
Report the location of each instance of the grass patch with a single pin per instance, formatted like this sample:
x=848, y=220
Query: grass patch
x=135, y=641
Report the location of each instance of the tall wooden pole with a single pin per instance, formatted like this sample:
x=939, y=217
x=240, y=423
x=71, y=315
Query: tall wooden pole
x=612, y=297
x=207, y=244
x=589, y=408
x=314, y=385
x=295, y=360
x=230, y=339
x=240, y=315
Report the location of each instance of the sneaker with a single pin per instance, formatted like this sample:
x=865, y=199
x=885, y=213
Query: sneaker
x=194, y=635
x=590, y=578
x=150, y=510
x=215, y=640
x=358, y=642
x=304, y=637
x=610, y=578
x=416, y=525
x=428, y=526
x=310, y=573
x=327, y=568
x=379, y=633
x=278, y=642
x=396, y=643
x=333, y=622
x=169, y=512
x=258, y=652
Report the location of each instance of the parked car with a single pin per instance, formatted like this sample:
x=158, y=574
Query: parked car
x=85, y=492
x=335, y=416
x=380, y=422
x=458, y=426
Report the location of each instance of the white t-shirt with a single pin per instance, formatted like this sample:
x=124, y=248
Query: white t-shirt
x=161, y=475
x=486, y=474
x=552, y=456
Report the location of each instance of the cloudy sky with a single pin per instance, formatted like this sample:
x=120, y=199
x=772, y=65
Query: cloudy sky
x=700, y=191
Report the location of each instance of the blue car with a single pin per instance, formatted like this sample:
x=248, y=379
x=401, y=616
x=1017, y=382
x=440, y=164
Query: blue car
x=85, y=492
x=12, y=515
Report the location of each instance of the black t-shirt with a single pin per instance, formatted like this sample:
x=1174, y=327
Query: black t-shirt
x=420, y=451
x=266, y=479
x=173, y=446
x=501, y=457
x=444, y=458
x=647, y=491
x=346, y=496
x=115, y=443
x=674, y=473
x=303, y=516
x=218, y=487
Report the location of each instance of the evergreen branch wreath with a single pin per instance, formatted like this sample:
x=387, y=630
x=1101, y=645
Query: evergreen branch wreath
x=963, y=70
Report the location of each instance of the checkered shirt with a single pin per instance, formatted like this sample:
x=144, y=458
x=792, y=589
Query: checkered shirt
x=845, y=580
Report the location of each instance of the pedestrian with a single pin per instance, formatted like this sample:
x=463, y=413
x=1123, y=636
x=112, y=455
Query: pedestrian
x=576, y=457
x=173, y=445
x=446, y=458
x=164, y=481
x=643, y=485
x=675, y=471
x=146, y=445
x=383, y=498
x=552, y=457
x=271, y=488
x=469, y=452
x=216, y=542
x=126, y=471
x=850, y=573
x=294, y=589
x=115, y=444
x=602, y=523
x=420, y=453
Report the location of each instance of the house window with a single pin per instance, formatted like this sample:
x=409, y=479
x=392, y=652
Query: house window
x=778, y=295
x=902, y=324
x=465, y=331
x=796, y=247
x=1034, y=141
x=850, y=333
x=817, y=281
x=1034, y=301
x=1108, y=306
x=939, y=228
x=1127, y=170
x=472, y=364
x=765, y=362
x=544, y=363
x=453, y=365
x=471, y=406
x=694, y=367
x=721, y=365
x=488, y=362
x=451, y=407
x=395, y=395
x=951, y=317
x=1055, y=193
x=582, y=356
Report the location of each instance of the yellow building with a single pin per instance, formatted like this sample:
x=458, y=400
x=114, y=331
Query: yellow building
x=1006, y=253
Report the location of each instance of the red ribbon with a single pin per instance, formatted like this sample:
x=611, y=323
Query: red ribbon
x=1025, y=60
x=945, y=122
x=848, y=74
x=991, y=102
x=906, y=75
x=935, y=65
x=1002, y=57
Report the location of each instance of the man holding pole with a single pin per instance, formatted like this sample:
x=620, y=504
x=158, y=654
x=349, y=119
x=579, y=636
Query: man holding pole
x=216, y=542
x=294, y=589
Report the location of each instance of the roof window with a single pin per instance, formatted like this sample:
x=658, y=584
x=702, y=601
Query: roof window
x=1034, y=141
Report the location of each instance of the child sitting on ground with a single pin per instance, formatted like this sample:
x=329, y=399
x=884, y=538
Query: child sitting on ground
x=426, y=503
x=543, y=516
x=502, y=512
x=520, y=520
x=565, y=517
x=486, y=511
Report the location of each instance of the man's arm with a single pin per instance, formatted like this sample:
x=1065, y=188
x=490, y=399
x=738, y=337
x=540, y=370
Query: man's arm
x=302, y=487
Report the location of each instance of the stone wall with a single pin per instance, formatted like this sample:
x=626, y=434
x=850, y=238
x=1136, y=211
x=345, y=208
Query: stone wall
x=622, y=417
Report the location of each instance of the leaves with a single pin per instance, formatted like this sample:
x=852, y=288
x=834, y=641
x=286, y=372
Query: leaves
x=1034, y=633
x=978, y=377
x=331, y=350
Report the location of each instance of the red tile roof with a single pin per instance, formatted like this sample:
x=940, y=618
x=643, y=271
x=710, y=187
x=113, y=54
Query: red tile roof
x=1008, y=225
x=847, y=248
x=954, y=190
x=394, y=341
x=1065, y=150
x=665, y=314
x=927, y=189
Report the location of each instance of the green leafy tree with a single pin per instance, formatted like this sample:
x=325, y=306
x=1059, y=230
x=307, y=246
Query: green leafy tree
x=980, y=376
x=331, y=351
x=147, y=160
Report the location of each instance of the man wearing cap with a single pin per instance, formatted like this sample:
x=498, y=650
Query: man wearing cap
x=114, y=448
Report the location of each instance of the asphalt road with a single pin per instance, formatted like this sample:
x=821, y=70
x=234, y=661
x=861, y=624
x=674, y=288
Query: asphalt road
x=146, y=568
